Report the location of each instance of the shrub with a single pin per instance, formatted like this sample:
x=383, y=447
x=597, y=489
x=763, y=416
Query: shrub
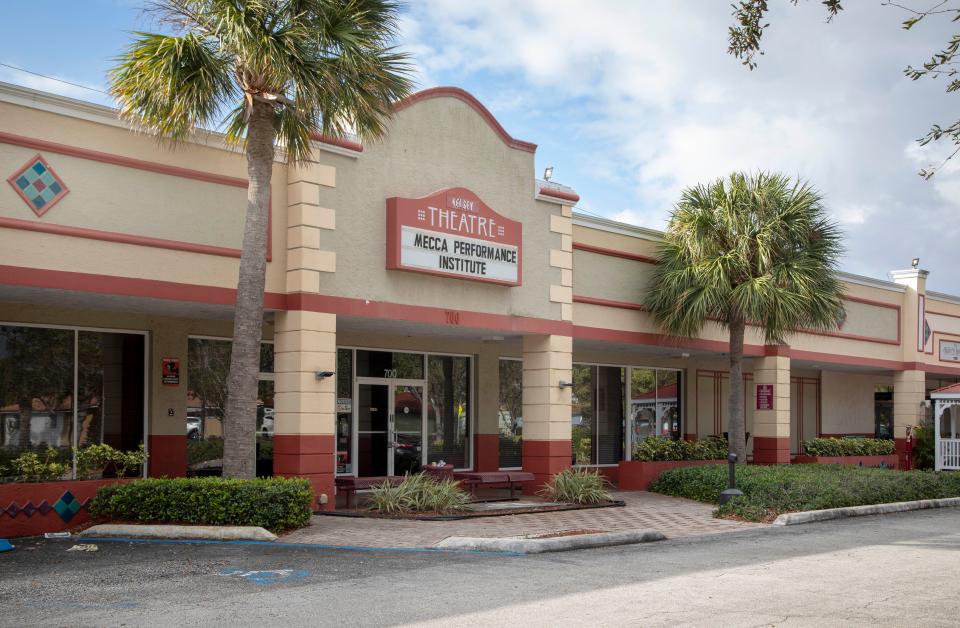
x=848, y=447
x=577, y=486
x=30, y=467
x=923, y=446
x=274, y=503
x=92, y=460
x=771, y=490
x=659, y=448
x=419, y=493
x=201, y=450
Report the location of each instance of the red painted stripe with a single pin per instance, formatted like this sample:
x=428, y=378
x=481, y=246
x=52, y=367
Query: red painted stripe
x=338, y=141
x=577, y=298
x=115, y=236
x=119, y=160
x=364, y=308
x=590, y=248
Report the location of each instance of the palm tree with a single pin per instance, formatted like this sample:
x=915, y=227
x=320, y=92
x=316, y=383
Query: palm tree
x=269, y=72
x=749, y=249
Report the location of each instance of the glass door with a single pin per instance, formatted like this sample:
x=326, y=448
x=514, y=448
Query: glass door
x=373, y=427
x=407, y=428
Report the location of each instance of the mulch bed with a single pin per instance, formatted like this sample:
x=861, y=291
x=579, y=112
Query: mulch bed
x=428, y=516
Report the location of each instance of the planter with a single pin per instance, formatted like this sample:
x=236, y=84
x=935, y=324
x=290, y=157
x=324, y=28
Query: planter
x=889, y=461
x=32, y=508
x=637, y=476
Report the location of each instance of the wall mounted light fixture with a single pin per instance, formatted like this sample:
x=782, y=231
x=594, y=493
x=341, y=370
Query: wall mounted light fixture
x=324, y=374
x=564, y=384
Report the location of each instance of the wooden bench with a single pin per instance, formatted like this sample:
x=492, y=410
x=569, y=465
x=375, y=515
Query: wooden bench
x=472, y=480
x=350, y=485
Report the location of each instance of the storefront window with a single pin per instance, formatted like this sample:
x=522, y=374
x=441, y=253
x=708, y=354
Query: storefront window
x=389, y=364
x=582, y=413
x=38, y=389
x=654, y=403
x=344, y=410
x=208, y=364
x=448, y=411
x=609, y=413
x=510, y=414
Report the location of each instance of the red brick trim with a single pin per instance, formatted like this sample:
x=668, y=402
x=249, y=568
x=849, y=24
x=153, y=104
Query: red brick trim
x=625, y=305
x=770, y=450
x=573, y=197
x=600, y=250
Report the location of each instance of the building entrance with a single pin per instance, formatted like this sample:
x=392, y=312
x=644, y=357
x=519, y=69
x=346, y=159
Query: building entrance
x=390, y=426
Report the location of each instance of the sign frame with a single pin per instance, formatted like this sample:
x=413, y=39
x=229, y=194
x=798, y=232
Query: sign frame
x=421, y=214
x=765, y=399
x=953, y=356
x=170, y=371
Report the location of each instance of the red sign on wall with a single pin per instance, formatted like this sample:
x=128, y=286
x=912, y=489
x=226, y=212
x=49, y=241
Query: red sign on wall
x=170, y=371
x=454, y=234
x=764, y=396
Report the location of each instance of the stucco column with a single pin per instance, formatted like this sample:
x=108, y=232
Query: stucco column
x=167, y=441
x=771, y=425
x=305, y=407
x=547, y=360
x=909, y=391
x=486, y=440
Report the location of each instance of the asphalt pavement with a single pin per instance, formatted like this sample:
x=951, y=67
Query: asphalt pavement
x=892, y=570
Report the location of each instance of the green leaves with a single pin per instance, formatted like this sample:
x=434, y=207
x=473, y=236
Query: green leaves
x=771, y=490
x=848, y=447
x=326, y=66
x=419, y=493
x=577, y=486
x=749, y=247
x=273, y=503
x=659, y=448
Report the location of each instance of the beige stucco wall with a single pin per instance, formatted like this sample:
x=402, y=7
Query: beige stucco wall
x=434, y=144
x=131, y=201
x=848, y=404
x=612, y=278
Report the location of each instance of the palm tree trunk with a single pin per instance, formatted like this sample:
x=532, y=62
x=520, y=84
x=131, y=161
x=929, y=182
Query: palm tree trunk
x=239, y=458
x=736, y=422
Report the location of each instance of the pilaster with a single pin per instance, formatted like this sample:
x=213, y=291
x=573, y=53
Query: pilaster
x=547, y=361
x=771, y=416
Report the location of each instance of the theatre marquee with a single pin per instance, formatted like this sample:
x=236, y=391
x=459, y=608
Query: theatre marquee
x=454, y=234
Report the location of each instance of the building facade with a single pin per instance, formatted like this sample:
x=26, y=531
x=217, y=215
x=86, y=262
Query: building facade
x=428, y=299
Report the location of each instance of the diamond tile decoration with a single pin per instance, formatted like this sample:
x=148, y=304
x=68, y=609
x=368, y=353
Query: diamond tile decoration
x=38, y=185
x=67, y=506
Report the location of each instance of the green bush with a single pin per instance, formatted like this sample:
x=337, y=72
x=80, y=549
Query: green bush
x=274, y=503
x=848, y=447
x=201, y=450
x=772, y=490
x=659, y=448
x=923, y=446
x=419, y=493
x=30, y=467
x=577, y=486
x=93, y=459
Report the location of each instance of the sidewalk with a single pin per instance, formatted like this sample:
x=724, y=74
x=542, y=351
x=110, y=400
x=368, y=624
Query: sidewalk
x=673, y=516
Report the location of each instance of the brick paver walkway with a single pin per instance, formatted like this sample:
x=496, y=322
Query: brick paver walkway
x=672, y=516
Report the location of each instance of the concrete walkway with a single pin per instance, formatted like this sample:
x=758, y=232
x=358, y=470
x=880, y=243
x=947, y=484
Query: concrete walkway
x=673, y=516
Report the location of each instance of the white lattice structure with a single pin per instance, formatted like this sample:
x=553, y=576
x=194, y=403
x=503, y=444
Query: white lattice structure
x=946, y=423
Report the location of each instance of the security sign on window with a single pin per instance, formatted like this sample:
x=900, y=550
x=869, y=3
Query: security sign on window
x=454, y=234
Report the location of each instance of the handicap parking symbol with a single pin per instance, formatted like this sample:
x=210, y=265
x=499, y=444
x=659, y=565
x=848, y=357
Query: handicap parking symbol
x=268, y=576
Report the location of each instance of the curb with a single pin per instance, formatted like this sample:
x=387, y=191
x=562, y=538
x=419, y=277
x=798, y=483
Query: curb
x=520, y=545
x=205, y=533
x=811, y=516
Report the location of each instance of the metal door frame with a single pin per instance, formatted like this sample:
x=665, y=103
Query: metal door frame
x=391, y=384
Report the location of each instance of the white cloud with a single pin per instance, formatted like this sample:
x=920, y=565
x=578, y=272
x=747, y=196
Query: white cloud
x=646, y=101
x=54, y=84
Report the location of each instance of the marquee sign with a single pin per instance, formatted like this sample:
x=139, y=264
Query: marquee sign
x=454, y=234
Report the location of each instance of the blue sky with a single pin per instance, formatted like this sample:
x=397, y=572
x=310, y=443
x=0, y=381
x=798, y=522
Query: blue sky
x=632, y=101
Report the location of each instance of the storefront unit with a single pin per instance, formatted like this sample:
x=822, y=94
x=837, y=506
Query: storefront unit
x=427, y=299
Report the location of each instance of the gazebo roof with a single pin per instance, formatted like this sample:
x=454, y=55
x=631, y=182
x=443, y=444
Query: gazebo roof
x=947, y=392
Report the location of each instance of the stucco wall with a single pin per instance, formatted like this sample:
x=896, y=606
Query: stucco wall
x=610, y=278
x=848, y=405
x=435, y=144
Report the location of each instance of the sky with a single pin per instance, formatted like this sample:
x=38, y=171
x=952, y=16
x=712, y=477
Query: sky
x=631, y=102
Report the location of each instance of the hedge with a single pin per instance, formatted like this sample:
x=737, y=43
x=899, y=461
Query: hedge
x=771, y=490
x=276, y=504
x=849, y=447
x=659, y=448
